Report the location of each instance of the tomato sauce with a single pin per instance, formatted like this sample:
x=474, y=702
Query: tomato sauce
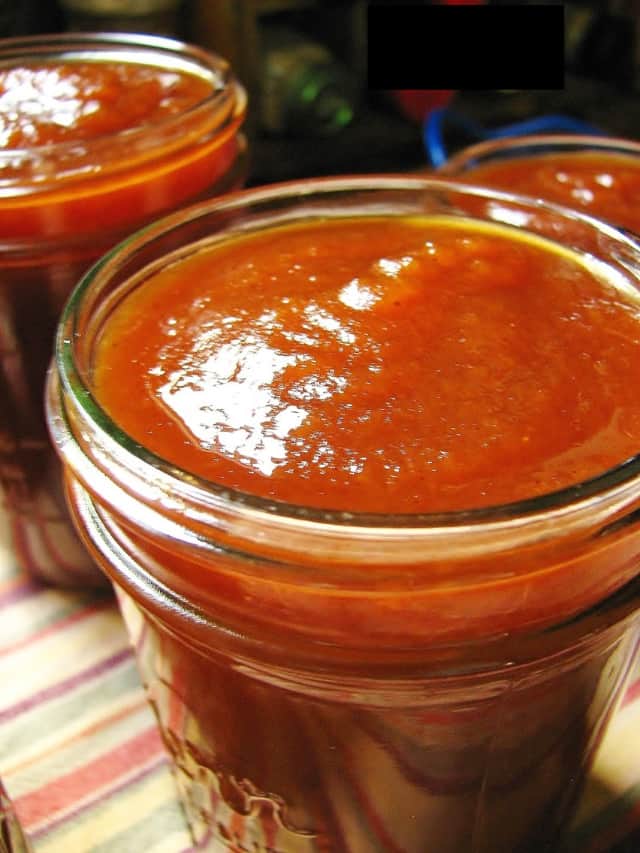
x=599, y=183
x=43, y=104
x=139, y=119
x=456, y=368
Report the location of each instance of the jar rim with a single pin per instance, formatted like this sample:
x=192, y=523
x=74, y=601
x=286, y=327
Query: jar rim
x=224, y=105
x=534, y=144
x=620, y=483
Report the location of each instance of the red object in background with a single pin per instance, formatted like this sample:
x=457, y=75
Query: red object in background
x=418, y=103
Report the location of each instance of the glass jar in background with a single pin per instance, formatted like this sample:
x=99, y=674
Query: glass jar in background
x=304, y=90
x=597, y=175
x=148, y=16
x=335, y=680
x=66, y=197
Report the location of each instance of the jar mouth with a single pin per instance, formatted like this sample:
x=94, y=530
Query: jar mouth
x=27, y=170
x=86, y=418
x=533, y=144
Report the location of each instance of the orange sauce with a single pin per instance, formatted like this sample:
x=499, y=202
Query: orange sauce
x=45, y=104
x=105, y=176
x=375, y=365
x=599, y=183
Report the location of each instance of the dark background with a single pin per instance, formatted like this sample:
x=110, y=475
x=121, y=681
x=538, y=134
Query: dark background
x=602, y=58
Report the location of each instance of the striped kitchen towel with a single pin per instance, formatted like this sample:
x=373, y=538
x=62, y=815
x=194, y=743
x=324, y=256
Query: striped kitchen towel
x=80, y=753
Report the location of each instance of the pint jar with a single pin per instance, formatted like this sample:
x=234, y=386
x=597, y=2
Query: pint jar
x=101, y=134
x=328, y=679
x=597, y=175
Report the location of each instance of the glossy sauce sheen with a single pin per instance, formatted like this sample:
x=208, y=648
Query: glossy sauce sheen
x=44, y=104
x=93, y=146
x=601, y=184
x=378, y=365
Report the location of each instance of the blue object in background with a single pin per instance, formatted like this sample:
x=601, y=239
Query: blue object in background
x=439, y=119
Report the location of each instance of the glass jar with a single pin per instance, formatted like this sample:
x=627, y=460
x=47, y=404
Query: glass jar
x=347, y=681
x=62, y=206
x=12, y=837
x=145, y=16
x=597, y=175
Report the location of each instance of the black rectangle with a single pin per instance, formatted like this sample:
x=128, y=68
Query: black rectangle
x=465, y=47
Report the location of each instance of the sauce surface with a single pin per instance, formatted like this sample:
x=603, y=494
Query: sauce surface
x=600, y=184
x=78, y=101
x=88, y=147
x=372, y=364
